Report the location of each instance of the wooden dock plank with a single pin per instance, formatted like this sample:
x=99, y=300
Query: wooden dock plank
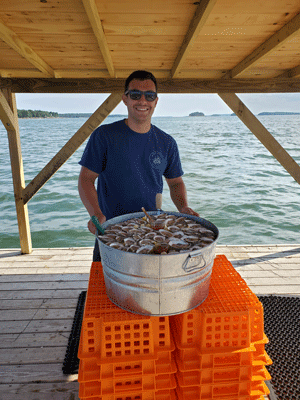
x=26, y=304
x=36, y=391
x=40, y=339
x=30, y=373
x=41, y=294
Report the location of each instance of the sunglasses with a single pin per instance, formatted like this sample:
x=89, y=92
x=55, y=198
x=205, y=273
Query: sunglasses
x=137, y=94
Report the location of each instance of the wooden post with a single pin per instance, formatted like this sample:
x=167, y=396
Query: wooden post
x=72, y=145
x=262, y=134
x=9, y=117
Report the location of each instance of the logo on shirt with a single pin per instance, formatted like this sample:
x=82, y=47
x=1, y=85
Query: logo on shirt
x=155, y=159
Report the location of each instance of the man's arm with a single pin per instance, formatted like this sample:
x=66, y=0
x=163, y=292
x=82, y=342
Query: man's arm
x=89, y=197
x=178, y=195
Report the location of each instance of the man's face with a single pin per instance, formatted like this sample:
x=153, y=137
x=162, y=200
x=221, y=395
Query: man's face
x=140, y=111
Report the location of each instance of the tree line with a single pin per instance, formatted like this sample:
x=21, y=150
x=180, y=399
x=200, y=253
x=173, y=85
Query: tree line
x=37, y=114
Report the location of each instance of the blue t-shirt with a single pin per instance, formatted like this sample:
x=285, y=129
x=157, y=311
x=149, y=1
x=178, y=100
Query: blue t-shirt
x=130, y=166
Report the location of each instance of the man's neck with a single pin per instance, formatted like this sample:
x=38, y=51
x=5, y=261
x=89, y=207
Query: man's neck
x=138, y=127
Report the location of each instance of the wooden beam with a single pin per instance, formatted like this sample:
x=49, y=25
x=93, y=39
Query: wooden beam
x=6, y=114
x=93, y=16
x=202, y=12
x=182, y=85
x=291, y=73
x=10, y=38
x=9, y=117
x=71, y=146
x=262, y=134
x=289, y=30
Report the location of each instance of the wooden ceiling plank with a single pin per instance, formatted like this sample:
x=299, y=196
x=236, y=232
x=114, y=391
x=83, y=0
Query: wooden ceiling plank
x=93, y=16
x=12, y=40
x=202, y=12
x=289, y=30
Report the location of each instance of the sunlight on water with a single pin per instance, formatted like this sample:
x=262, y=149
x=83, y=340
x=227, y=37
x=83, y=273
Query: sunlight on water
x=232, y=180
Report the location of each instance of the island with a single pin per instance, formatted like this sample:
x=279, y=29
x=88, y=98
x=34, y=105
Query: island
x=196, y=114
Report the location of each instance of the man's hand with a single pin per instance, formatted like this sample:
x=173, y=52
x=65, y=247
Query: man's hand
x=188, y=210
x=179, y=196
x=91, y=226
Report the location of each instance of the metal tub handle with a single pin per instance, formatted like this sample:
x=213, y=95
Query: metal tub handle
x=194, y=262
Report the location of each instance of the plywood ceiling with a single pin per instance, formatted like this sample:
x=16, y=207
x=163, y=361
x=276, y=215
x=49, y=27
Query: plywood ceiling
x=204, y=45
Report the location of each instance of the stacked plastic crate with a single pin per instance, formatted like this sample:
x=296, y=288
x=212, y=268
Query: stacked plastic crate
x=220, y=345
x=123, y=356
x=218, y=350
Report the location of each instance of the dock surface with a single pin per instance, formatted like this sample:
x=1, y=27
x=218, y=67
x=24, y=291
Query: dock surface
x=38, y=298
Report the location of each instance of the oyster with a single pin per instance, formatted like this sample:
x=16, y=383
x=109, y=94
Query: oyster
x=144, y=250
x=191, y=239
x=129, y=241
x=145, y=242
x=117, y=246
x=178, y=244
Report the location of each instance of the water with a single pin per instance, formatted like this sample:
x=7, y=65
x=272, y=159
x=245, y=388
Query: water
x=232, y=180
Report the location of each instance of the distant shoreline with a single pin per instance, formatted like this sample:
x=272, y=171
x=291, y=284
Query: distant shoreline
x=29, y=114
x=199, y=114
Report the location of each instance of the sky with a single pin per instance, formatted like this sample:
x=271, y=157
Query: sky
x=179, y=105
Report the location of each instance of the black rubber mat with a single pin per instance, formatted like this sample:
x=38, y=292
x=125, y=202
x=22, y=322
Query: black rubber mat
x=282, y=327
x=71, y=361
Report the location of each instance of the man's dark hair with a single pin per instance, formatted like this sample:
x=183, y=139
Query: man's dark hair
x=141, y=76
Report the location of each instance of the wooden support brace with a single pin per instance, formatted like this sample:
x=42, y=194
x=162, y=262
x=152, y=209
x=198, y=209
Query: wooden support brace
x=71, y=146
x=9, y=117
x=262, y=134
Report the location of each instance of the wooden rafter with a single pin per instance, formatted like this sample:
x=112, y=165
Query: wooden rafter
x=6, y=114
x=93, y=16
x=262, y=134
x=202, y=12
x=289, y=30
x=71, y=146
x=291, y=73
x=12, y=40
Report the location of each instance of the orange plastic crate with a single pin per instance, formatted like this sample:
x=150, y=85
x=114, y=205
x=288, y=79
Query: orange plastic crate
x=190, y=359
x=212, y=331
x=89, y=370
x=112, y=334
x=116, y=337
x=230, y=318
x=148, y=395
x=244, y=391
x=130, y=384
x=222, y=375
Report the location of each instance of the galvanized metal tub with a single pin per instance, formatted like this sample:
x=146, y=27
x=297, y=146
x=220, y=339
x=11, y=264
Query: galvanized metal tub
x=153, y=284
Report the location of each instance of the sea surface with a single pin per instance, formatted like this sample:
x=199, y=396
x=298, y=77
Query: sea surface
x=231, y=179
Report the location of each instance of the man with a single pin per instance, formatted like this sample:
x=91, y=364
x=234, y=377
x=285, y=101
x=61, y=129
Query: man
x=129, y=158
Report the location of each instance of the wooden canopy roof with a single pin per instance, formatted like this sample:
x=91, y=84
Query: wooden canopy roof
x=191, y=46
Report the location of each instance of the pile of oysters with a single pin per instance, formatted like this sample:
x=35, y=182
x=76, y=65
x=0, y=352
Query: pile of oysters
x=163, y=234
